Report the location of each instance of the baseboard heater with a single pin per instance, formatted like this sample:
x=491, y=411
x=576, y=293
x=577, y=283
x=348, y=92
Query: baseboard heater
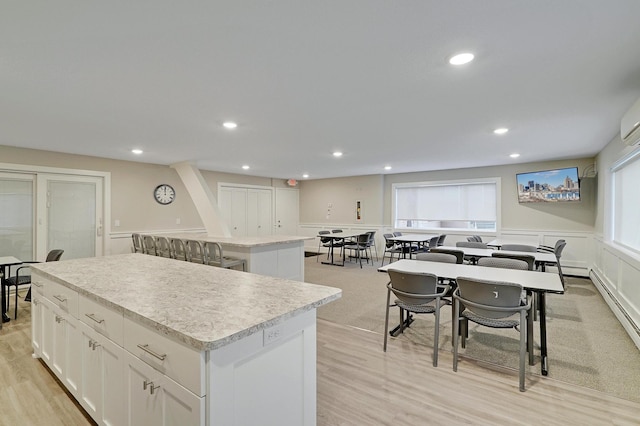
x=594, y=277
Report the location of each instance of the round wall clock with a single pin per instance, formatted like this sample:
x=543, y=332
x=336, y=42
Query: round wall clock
x=164, y=194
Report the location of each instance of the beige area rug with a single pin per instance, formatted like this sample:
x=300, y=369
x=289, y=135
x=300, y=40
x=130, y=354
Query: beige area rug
x=587, y=346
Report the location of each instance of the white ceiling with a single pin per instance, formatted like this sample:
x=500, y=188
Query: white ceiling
x=305, y=78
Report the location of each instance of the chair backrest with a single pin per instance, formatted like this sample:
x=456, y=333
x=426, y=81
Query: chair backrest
x=459, y=254
x=195, y=252
x=441, y=239
x=530, y=259
x=213, y=253
x=336, y=231
x=362, y=240
x=149, y=244
x=372, y=238
x=388, y=243
x=433, y=242
x=488, y=294
x=163, y=247
x=560, y=244
x=397, y=234
x=324, y=240
x=476, y=238
x=54, y=255
x=437, y=257
x=471, y=244
x=519, y=247
x=179, y=249
x=503, y=262
x=413, y=288
x=137, y=243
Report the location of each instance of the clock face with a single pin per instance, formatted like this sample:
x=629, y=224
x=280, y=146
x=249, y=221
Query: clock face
x=164, y=194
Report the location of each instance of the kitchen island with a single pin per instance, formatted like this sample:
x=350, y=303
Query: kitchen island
x=274, y=255
x=140, y=339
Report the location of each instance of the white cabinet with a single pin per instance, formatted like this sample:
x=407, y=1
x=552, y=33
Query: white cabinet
x=102, y=375
x=63, y=347
x=151, y=398
x=36, y=324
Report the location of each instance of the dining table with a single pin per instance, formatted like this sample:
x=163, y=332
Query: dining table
x=407, y=240
x=5, y=263
x=337, y=239
x=499, y=242
x=537, y=282
x=542, y=259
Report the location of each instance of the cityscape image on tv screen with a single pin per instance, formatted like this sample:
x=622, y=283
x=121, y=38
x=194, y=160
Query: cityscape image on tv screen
x=549, y=186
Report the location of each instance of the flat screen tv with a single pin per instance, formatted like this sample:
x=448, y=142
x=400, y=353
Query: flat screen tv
x=549, y=186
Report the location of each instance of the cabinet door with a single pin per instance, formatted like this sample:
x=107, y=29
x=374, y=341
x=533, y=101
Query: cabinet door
x=47, y=322
x=36, y=324
x=72, y=366
x=142, y=407
x=154, y=399
x=91, y=375
x=102, y=391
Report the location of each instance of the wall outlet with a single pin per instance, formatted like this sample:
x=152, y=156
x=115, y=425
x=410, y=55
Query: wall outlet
x=116, y=223
x=178, y=221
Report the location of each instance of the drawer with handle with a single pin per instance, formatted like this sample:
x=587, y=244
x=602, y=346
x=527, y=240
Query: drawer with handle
x=104, y=320
x=183, y=364
x=61, y=296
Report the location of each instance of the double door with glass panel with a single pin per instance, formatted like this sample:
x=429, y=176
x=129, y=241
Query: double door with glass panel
x=40, y=212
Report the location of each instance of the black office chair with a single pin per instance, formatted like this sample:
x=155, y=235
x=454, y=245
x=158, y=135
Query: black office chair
x=18, y=279
x=324, y=242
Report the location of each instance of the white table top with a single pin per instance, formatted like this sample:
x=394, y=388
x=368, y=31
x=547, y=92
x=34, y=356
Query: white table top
x=9, y=260
x=499, y=242
x=267, y=240
x=548, y=258
x=341, y=235
x=413, y=238
x=531, y=280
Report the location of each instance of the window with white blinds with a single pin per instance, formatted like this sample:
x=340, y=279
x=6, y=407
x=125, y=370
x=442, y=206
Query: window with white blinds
x=626, y=203
x=447, y=205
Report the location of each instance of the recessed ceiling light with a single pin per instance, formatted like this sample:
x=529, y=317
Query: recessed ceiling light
x=137, y=151
x=387, y=167
x=514, y=155
x=245, y=167
x=305, y=175
x=501, y=131
x=461, y=58
x=229, y=125
x=337, y=154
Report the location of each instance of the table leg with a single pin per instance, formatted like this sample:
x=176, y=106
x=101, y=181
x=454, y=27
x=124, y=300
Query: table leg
x=543, y=332
x=5, y=318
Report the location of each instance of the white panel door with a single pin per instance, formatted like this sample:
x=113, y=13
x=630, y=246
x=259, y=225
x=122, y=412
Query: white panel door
x=287, y=211
x=259, y=212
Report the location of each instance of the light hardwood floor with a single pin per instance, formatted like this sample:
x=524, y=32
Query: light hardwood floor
x=358, y=384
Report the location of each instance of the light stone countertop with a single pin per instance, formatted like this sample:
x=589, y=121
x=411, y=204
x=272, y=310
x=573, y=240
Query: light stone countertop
x=267, y=240
x=202, y=306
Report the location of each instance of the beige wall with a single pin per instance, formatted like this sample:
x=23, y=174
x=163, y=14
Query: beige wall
x=342, y=194
x=132, y=186
x=376, y=191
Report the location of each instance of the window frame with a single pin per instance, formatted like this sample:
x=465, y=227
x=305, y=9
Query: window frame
x=497, y=181
x=633, y=158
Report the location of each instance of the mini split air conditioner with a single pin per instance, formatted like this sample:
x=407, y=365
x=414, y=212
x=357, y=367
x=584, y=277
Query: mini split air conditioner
x=630, y=125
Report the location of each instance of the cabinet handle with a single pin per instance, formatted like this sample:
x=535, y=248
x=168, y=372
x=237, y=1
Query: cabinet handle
x=35, y=302
x=145, y=384
x=95, y=345
x=152, y=353
x=153, y=388
x=59, y=319
x=60, y=298
x=92, y=316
